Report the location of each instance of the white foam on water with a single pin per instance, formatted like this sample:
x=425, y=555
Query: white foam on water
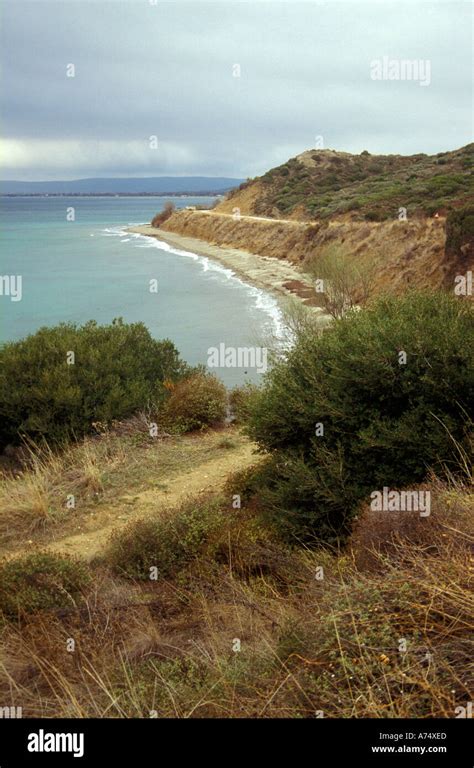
x=112, y=232
x=263, y=300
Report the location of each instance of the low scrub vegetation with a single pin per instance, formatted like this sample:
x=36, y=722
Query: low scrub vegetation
x=240, y=399
x=194, y=403
x=342, y=281
x=41, y=581
x=325, y=184
x=460, y=235
x=160, y=547
x=382, y=630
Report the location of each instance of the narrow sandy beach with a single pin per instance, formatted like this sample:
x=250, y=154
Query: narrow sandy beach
x=274, y=275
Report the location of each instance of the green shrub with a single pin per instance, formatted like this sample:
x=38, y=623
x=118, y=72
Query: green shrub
x=197, y=402
x=437, y=205
x=240, y=399
x=118, y=369
x=374, y=216
x=167, y=543
x=246, y=483
x=384, y=423
x=459, y=230
x=41, y=581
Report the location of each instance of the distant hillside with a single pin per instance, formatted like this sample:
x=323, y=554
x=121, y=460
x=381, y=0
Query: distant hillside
x=322, y=184
x=323, y=203
x=160, y=185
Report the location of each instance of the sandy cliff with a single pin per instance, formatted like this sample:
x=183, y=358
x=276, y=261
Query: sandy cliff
x=405, y=253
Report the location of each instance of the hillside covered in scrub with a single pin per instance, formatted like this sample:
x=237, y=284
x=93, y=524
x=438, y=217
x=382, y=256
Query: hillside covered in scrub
x=171, y=549
x=321, y=184
x=398, y=222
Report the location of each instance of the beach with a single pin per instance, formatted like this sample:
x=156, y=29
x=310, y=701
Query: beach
x=277, y=276
x=96, y=270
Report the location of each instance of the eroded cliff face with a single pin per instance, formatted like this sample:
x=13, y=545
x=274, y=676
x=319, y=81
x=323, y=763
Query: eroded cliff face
x=400, y=253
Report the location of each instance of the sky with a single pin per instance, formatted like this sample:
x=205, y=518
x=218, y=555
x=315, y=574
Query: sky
x=226, y=88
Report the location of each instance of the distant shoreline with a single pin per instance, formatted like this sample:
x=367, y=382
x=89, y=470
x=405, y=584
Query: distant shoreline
x=276, y=276
x=111, y=194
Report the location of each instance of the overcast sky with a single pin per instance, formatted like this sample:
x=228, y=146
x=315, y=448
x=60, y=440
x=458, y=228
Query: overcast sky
x=146, y=68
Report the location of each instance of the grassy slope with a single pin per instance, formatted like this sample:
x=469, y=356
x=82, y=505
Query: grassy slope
x=308, y=645
x=114, y=479
x=325, y=183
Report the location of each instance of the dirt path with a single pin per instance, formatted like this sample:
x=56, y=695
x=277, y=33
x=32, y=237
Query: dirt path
x=208, y=476
x=246, y=216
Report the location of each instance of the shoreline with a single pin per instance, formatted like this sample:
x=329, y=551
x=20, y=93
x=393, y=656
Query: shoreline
x=276, y=276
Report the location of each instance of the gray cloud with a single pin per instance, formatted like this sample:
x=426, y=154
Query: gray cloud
x=165, y=69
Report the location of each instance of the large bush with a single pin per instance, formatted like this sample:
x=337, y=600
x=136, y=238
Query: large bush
x=384, y=423
x=116, y=370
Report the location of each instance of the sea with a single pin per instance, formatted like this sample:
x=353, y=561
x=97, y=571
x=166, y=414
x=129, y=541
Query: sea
x=77, y=262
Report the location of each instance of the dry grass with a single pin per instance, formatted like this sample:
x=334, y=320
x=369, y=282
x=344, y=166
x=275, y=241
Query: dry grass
x=98, y=472
x=253, y=631
x=41, y=493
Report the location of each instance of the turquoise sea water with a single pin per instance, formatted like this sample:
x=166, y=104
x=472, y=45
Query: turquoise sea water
x=90, y=268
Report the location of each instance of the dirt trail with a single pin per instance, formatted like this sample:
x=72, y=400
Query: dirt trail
x=209, y=475
x=247, y=216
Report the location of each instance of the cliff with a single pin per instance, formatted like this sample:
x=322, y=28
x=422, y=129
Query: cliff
x=402, y=252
